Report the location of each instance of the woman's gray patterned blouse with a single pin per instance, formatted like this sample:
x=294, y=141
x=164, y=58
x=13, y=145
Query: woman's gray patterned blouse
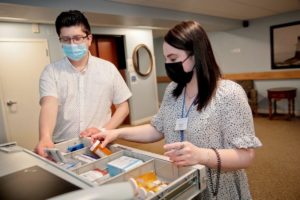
x=226, y=123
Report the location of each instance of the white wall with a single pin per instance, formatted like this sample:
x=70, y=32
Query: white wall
x=247, y=50
x=22, y=30
x=160, y=66
x=144, y=102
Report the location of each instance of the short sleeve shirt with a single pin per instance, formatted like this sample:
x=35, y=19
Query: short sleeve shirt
x=226, y=123
x=84, y=98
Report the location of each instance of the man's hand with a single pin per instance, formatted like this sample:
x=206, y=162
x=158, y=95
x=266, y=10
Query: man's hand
x=39, y=149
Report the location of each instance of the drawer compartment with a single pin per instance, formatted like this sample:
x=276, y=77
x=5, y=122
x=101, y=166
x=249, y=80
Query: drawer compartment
x=102, y=163
x=182, y=182
x=71, y=144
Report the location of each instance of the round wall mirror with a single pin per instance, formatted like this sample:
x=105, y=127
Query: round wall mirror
x=142, y=60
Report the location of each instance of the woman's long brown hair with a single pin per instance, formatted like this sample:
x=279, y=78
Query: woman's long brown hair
x=191, y=37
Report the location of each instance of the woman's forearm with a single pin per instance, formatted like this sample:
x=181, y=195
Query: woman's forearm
x=231, y=159
x=143, y=133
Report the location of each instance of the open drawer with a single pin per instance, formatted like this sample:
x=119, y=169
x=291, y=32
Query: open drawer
x=181, y=182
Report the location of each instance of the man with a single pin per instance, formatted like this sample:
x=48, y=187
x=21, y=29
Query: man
x=76, y=93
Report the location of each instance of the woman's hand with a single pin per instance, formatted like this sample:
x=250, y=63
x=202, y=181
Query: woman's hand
x=185, y=153
x=89, y=132
x=106, y=136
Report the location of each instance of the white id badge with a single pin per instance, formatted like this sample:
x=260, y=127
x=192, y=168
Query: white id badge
x=181, y=124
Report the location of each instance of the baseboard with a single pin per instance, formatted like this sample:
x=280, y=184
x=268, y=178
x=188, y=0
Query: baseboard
x=279, y=111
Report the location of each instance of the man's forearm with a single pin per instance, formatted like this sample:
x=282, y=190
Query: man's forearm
x=47, y=119
x=121, y=112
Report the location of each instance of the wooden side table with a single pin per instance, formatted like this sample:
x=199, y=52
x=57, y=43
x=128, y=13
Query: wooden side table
x=277, y=94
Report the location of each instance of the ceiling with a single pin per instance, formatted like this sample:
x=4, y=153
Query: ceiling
x=232, y=9
x=158, y=15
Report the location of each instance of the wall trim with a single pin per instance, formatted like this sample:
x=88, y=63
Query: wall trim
x=270, y=75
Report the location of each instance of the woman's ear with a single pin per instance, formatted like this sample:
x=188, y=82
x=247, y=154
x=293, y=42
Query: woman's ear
x=193, y=58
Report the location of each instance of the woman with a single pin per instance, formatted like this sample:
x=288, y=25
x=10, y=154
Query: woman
x=203, y=118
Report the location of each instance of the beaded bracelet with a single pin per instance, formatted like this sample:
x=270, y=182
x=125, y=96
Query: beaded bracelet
x=215, y=190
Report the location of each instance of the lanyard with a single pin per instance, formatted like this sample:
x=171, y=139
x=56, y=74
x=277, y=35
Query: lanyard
x=184, y=116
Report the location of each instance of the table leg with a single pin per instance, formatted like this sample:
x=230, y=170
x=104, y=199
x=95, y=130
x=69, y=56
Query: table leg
x=289, y=114
x=293, y=107
x=270, y=108
x=275, y=107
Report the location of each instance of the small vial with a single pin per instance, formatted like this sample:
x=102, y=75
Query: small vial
x=141, y=193
x=98, y=150
x=75, y=147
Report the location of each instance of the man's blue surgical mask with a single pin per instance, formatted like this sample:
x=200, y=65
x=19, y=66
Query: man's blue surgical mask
x=75, y=51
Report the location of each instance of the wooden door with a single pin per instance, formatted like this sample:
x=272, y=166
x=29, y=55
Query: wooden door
x=22, y=62
x=111, y=48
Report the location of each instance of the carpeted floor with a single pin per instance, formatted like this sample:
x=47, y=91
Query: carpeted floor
x=275, y=173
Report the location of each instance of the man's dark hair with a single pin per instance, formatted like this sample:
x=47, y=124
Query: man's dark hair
x=191, y=37
x=72, y=18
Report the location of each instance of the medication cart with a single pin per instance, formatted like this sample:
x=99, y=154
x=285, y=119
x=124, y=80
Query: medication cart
x=24, y=174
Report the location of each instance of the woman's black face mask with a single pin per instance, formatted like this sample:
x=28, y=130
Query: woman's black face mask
x=176, y=73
